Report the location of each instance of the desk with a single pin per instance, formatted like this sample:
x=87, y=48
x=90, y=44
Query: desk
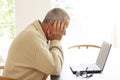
x=110, y=72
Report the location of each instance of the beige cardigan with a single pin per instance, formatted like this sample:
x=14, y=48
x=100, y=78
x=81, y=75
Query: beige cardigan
x=31, y=58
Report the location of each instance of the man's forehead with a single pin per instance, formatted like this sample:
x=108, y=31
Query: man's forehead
x=66, y=21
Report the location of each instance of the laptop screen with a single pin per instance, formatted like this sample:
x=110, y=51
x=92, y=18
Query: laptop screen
x=103, y=54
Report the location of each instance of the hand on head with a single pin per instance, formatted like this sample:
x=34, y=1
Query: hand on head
x=56, y=29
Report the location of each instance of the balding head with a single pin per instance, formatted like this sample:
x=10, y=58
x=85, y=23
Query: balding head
x=56, y=14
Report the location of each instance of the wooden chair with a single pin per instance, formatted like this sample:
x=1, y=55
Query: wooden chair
x=85, y=53
x=6, y=78
x=84, y=45
x=2, y=67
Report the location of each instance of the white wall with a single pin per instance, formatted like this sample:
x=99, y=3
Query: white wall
x=26, y=11
x=92, y=21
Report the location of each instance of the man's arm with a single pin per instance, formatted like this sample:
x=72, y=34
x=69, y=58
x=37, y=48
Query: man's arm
x=50, y=60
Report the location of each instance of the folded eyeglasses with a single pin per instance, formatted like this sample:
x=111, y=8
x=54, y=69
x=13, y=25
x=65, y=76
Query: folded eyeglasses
x=84, y=74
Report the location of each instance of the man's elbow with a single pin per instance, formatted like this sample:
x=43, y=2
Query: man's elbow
x=57, y=71
x=57, y=67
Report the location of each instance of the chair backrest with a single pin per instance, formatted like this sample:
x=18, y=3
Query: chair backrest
x=6, y=78
x=84, y=45
x=83, y=53
x=1, y=67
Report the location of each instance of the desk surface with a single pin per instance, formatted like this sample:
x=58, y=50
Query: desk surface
x=110, y=72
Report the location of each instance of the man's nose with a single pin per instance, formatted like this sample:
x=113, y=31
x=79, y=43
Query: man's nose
x=64, y=33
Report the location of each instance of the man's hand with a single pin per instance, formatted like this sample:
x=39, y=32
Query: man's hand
x=56, y=30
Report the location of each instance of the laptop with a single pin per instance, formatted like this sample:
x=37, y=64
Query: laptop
x=100, y=62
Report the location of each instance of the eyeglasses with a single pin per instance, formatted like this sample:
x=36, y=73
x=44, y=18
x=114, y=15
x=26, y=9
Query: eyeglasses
x=84, y=74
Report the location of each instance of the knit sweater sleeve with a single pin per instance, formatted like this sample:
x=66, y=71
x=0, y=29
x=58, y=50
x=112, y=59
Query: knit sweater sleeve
x=49, y=59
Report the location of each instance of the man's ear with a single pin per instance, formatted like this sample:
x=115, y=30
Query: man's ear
x=51, y=22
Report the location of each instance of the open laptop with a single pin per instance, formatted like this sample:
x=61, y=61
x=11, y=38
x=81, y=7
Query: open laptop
x=100, y=62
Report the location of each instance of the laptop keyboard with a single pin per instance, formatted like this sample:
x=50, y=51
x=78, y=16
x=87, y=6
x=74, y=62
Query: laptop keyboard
x=89, y=67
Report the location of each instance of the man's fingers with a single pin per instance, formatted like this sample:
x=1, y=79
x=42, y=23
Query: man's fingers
x=58, y=26
x=64, y=30
x=55, y=24
x=62, y=26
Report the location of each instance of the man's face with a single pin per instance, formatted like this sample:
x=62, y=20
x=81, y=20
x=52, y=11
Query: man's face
x=66, y=21
x=57, y=28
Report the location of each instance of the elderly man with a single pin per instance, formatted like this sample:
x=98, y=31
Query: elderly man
x=36, y=52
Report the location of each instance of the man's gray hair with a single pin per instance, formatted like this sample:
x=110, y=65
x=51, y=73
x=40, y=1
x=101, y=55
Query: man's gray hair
x=56, y=14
